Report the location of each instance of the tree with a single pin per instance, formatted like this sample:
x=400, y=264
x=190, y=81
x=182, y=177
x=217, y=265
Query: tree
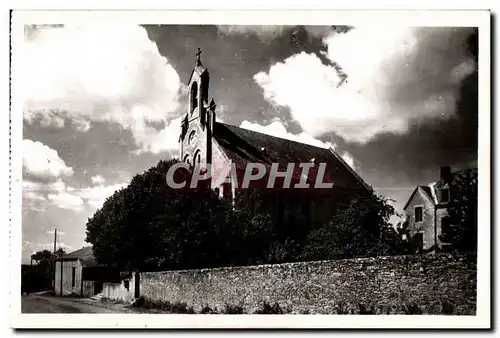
x=149, y=226
x=359, y=228
x=42, y=257
x=40, y=276
x=462, y=212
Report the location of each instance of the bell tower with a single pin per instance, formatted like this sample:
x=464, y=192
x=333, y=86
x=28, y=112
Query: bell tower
x=195, y=141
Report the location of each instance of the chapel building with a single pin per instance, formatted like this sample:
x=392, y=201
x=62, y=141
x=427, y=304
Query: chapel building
x=204, y=141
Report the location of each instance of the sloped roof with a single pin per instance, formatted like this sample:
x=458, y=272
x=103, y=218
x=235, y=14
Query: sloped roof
x=427, y=192
x=430, y=190
x=243, y=146
x=85, y=255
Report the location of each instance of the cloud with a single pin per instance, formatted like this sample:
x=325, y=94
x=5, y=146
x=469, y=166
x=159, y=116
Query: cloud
x=264, y=32
x=96, y=196
x=278, y=129
x=33, y=186
x=269, y=32
x=97, y=179
x=30, y=247
x=35, y=201
x=98, y=72
x=43, y=162
x=51, y=232
x=155, y=141
x=64, y=200
x=394, y=77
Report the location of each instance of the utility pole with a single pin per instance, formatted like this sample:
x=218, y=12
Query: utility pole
x=55, y=259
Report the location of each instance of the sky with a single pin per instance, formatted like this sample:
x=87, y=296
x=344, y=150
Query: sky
x=104, y=101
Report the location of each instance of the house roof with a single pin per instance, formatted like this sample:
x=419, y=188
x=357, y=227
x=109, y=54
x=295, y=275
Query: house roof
x=85, y=255
x=243, y=146
x=430, y=190
x=427, y=192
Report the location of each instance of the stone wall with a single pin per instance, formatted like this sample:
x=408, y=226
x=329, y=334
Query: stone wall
x=428, y=281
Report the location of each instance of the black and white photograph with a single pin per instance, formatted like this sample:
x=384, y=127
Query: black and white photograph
x=334, y=169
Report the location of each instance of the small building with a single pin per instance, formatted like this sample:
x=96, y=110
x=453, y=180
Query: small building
x=79, y=274
x=426, y=211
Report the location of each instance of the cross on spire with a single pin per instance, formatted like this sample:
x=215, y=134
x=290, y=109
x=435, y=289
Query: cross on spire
x=198, y=54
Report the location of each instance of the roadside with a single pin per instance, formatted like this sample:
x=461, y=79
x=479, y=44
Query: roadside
x=43, y=303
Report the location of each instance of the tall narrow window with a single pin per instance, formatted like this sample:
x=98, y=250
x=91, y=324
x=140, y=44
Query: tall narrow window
x=194, y=96
x=418, y=214
x=73, y=277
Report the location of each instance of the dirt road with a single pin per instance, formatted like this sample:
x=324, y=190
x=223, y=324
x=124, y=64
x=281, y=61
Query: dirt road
x=51, y=304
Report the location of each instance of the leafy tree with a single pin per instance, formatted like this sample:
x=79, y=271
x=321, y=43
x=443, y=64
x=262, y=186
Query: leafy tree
x=149, y=226
x=39, y=276
x=42, y=257
x=462, y=212
x=359, y=228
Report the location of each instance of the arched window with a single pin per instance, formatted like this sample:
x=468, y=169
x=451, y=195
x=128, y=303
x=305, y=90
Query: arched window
x=194, y=96
x=191, y=137
x=186, y=159
x=197, y=158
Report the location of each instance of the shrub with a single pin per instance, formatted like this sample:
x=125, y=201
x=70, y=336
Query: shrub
x=233, y=309
x=412, y=309
x=177, y=307
x=342, y=309
x=207, y=310
x=266, y=308
x=446, y=308
x=363, y=310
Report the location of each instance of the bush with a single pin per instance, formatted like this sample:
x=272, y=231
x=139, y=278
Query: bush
x=233, y=309
x=177, y=307
x=207, y=310
x=447, y=308
x=364, y=310
x=266, y=308
x=412, y=309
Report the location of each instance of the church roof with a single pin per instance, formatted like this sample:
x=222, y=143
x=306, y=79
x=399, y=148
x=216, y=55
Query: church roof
x=243, y=146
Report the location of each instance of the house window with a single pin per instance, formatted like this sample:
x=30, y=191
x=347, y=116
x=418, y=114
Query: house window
x=445, y=195
x=73, y=277
x=418, y=214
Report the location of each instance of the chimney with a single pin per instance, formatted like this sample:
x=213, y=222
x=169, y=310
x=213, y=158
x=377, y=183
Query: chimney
x=445, y=174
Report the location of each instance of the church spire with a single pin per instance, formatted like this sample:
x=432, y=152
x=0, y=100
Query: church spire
x=198, y=57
